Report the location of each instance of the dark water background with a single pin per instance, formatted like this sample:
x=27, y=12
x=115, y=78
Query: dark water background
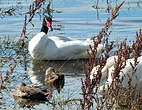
x=77, y=19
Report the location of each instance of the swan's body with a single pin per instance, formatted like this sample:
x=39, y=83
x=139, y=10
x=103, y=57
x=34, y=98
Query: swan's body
x=109, y=63
x=128, y=71
x=43, y=47
x=125, y=72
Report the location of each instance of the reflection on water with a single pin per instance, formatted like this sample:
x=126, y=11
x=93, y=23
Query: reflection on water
x=27, y=102
x=68, y=68
x=37, y=75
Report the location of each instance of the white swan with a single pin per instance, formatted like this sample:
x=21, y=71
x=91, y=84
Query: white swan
x=109, y=63
x=43, y=47
x=125, y=72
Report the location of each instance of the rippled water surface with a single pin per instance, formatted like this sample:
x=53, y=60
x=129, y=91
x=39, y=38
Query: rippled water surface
x=77, y=19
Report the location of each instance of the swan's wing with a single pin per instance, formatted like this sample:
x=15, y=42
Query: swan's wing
x=67, y=48
x=63, y=39
x=76, y=49
x=73, y=48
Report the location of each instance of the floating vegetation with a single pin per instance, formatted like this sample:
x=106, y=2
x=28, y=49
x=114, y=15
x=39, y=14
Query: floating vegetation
x=11, y=55
x=8, y=12
x=11, y=51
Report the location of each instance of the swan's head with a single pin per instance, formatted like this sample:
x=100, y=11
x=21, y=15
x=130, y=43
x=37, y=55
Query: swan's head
x=47, y=24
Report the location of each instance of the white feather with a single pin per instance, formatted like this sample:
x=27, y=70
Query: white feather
x=125, y=72
x=43, y=47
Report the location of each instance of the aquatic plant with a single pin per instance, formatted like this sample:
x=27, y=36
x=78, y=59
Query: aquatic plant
x=4, y=12
x=88, y=85
x=4, y=80
x=11, y=55
x=36, y=5
x=115, y=96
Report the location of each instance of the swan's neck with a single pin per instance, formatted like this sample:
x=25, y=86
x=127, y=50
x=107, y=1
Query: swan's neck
x=44, y=29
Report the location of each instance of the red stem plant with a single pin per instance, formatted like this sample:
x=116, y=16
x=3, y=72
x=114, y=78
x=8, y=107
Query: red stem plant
x=87, y=85
x=115, y=89
x=36, y=5
x=5, y=79
x=115, y=93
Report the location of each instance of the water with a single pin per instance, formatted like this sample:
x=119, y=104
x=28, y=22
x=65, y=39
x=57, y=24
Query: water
x=78, y=20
